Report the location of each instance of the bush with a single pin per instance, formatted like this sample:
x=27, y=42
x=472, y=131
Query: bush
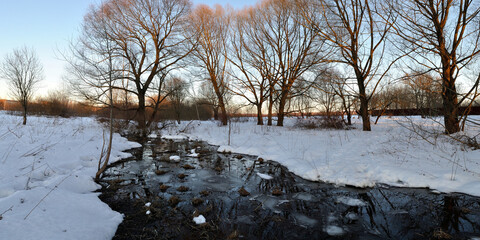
x=323, y=122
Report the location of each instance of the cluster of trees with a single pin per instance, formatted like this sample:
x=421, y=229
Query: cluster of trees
x=280, y=56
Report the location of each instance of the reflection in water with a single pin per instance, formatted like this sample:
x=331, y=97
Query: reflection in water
x=285, y=207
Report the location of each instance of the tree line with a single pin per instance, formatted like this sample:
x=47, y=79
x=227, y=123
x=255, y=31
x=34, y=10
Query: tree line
x=280, y=56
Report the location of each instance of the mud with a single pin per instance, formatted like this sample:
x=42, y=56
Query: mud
x=286, y=206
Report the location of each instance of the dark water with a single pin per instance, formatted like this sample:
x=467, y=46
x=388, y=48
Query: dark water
x=285, y=207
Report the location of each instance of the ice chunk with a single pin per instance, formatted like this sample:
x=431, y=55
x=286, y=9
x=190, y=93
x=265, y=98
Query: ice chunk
x=175, y=158
x=334, y=230
x=351, y=201
x=199, y=220
x=265, y=176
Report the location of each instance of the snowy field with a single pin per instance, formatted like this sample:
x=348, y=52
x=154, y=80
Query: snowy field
x=392, y=153
x=46, y=179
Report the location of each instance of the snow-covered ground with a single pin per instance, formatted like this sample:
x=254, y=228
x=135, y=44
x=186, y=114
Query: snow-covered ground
x=392, y=153
x=46, y=179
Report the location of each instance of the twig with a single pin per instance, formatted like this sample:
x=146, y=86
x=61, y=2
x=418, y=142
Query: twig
x=46, y=195
x=9, y=209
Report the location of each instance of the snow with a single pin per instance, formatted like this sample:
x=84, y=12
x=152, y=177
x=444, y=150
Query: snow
x=264, y=176
x=392, y=153
x=148, y=212
x=175, y=158
x=46, y=176
x=148, y=204
x=174, y=137
x=193, y=154
x=199, y=220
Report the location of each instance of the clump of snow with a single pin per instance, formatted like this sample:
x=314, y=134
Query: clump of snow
x=199, y=220
x=174, y=137
x=175, y=158
x=46, y=176
x=225, y=149
x=148, y=212
x=152, y=135
x=351, y=201
x=390, y=154
x=334, y=230
x=264, y=176
x=148, y=204
x=193, y=154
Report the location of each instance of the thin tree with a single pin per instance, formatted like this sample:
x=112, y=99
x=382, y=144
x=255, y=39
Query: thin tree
x=294, y=49
x=358, y=31
x=211, y=28
x=251, y=58
x=93, y=71
x=23, y=71
x=442, y=36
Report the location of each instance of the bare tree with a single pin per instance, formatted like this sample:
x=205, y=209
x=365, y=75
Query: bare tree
x=442, y=36
x=23, y=71
x=426, y=91
x=211, y=27
x=359, y=32
x=148, y=41
x=254, y=75
x=178, y=92
x=94, y=71
x=293, y=49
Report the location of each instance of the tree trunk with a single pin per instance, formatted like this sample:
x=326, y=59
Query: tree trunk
x=24, y=114
x=450, y=107
x=215, y=113
x=224, y=111
x=363, y=101
x=270, y=111
x=141, y=114
x=281, y=109
x=259, y=114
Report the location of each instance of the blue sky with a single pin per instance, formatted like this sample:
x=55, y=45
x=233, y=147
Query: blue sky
x=47, y=26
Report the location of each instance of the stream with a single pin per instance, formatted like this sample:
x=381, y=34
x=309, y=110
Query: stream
x=166, y=183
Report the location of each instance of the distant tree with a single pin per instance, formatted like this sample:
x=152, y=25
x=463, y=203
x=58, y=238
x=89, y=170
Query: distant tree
x=358, y=30
x=426, y=90
x=23, y=71
x=177, y=93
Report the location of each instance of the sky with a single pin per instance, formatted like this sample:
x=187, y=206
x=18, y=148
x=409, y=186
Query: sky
x=48, y=26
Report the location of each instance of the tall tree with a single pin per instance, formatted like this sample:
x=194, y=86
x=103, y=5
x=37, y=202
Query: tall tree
x=358, y=31
x=23, y=71
x=295, y=48
x=211, y=28
x=253, y=61
x=441, y=36
x=148, y=39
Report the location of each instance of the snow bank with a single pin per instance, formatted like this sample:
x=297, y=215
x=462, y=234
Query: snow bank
x=391, y=153
x=46, y=177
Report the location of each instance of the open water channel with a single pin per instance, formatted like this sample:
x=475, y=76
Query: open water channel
x=243, y=197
